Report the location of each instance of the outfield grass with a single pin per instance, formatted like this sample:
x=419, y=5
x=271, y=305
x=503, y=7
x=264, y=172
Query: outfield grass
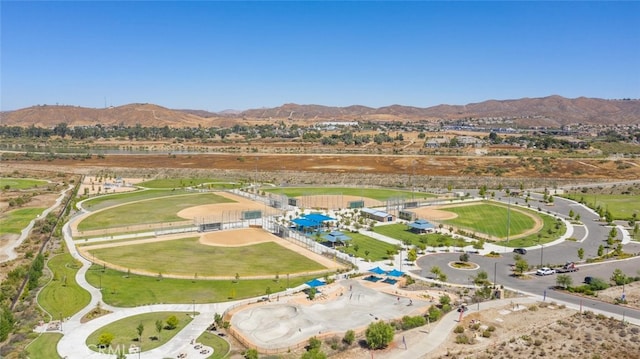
x=210, y=183
x=63, y=295
x=401, y=232
x=379, y=194
x=13, y=222
x=109, y=200
x=490, y=219
x=118, y=290
x=377, y=249
x=20, y=183
x=621, y=206
x=187, y=256
x=551, y=230
x=146, y=212
x=125, y=333
x=45, y=346
x=219, y=345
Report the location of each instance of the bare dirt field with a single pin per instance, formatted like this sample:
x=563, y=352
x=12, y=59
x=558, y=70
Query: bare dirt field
x=360, y=164
x=218, y=210
x=334, y=201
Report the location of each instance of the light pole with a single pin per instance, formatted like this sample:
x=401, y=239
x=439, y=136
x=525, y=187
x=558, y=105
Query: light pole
x=194, y=307
x=541, y=253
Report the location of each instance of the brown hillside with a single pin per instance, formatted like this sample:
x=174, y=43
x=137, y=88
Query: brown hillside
x=548, y=111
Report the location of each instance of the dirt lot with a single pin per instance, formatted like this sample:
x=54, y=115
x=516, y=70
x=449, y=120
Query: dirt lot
x=352, y=168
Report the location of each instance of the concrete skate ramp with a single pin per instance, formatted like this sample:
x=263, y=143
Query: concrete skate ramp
x=283, y=325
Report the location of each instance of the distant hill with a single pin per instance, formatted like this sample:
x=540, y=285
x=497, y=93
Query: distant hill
x=551, y=111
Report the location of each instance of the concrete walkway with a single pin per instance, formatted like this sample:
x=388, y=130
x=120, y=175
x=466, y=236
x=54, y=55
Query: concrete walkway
x=10, y=250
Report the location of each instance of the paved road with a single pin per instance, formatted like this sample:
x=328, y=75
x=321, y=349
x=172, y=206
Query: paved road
x=589, y=237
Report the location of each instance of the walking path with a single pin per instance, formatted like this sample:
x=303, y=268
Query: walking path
x=10, y=249
x=72, y=345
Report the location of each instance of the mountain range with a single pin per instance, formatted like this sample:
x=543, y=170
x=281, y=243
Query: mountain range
x=551, y=111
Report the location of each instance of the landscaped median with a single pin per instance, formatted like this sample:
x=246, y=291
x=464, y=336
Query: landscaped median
x=62, y=296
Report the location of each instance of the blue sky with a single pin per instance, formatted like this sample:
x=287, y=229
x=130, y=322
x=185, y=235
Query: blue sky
x=239, y=55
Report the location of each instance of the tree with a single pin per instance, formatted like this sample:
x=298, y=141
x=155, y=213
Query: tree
x=600, y=250
x=618, y=277
x=571, y=213
x=379, y=335
x=159, y=326
x=464, y=257
x=608, y=217
x=105, y=339
x=349, y=337
x=577, y=217
x=581, y=253
x=172, y=322
x=314, y=343
x=442, y=277
x=314, y=354
x=312, y=293
x=140, y=330
x=521, y=266
x=412, y=255
x=481, y=278
x=251, y=354
x=445, y=299
x=436, y=271
x=564, y=280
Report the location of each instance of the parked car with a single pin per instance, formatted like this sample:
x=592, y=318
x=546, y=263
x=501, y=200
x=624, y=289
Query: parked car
x=568, y=267
x=520, y=251
x=545, y=271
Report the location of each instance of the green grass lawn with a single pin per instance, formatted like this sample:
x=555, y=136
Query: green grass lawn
x=125, y=333
x=45, y=346
x=209, y=183
x=621, y=206
x=159, y=210
x=401, y=232
x=118, y=290
x=187, y=256
x=379, y=194
x=13, y=222
x=20, y=183
x=377, y=249
x=63, y=295
x=109, y=200
x=219, y=345
x=490, y=219
x=551, y=230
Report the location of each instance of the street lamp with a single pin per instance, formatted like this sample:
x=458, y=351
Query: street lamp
x=194, y=307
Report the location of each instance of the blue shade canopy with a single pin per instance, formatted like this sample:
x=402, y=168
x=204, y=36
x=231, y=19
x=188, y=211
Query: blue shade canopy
x=421, y=224
x=377, y=270
x=315, y=283
x=395, y=273
x=317, y=217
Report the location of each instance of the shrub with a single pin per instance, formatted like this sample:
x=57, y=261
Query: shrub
x=251, y=354
x=486, y=334
x=459, y=329
x=598, y=284
x=314, y=343
x=462, y=339
x=533, y=308
x=434, y=313
x=349, y=337
x=412, y=322
x=379, y=335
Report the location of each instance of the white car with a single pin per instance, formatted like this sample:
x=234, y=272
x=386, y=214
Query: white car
x=545, y=271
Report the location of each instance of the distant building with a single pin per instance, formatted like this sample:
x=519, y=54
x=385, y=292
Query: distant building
x=380, y=216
